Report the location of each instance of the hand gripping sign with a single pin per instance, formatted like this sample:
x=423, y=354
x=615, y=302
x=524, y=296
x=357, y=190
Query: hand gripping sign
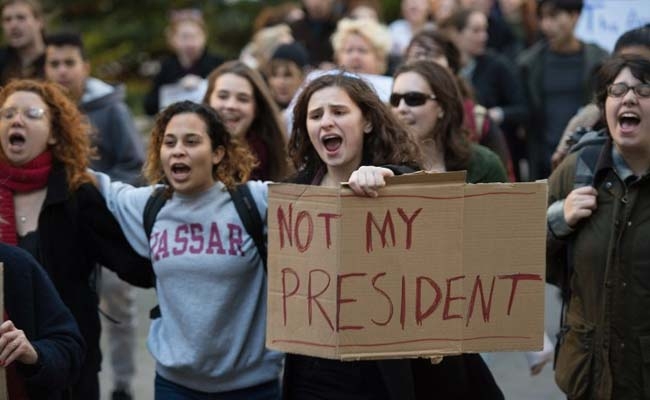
x=433, y=266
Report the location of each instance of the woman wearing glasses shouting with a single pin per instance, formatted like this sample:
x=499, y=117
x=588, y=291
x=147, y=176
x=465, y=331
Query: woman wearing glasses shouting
x=50, y=207
x=599, y=222
x=426, y=98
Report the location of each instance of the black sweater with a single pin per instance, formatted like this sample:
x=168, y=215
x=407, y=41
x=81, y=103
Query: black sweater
x=76, y=231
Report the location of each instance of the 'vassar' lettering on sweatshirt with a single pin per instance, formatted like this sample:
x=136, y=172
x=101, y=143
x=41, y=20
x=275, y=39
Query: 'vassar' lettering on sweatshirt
x=196, y=238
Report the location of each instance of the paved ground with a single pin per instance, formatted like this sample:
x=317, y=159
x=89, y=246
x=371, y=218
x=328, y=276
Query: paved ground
x=510, y=369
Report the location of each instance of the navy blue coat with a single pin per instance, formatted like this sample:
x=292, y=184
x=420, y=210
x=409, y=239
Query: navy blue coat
x=34, y=306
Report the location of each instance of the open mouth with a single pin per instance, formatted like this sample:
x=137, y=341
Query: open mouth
x=629, y=120
x=232, y=124
x=231, y=119
x=332, y=142
x=16, y=139
x=180, y=171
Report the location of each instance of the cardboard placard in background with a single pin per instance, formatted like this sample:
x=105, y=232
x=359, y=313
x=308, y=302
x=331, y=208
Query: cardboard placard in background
x=3, y=375
x=433, y=266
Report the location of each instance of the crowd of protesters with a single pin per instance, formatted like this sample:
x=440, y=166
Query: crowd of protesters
x=325, y=92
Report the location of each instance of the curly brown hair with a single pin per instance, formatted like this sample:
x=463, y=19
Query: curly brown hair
x=387, y=143
x=267, y=123
x=68, y=127
x=237, y=162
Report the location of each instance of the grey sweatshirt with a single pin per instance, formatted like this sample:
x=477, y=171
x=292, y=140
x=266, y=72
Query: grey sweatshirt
x=211, y=286
x=120, y=147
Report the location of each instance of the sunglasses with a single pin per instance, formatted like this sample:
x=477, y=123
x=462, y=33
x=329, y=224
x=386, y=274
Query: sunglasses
x=412, y=99
x=621, y=89
x=33, y=113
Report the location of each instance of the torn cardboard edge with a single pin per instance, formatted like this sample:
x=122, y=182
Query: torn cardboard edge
x=316, y=246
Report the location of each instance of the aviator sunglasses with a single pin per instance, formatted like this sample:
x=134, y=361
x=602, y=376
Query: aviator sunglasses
x=621, y=89
x=412, y=99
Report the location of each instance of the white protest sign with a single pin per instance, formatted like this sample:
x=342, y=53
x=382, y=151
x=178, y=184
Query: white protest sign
x=603, y=21
x=174, y=92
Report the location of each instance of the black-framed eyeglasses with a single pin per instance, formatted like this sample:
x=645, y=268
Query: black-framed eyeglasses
x=621, y=89
x=33, y=113
x=412, y=99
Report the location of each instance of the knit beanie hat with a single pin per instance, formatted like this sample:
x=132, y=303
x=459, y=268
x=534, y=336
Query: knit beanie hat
x=293, y=52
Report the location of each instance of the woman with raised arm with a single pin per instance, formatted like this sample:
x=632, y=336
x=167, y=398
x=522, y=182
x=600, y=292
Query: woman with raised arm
x=210, y=278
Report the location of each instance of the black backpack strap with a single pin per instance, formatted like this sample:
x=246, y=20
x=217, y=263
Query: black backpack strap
x=250, y=216
x=586, y=165
x=155, y=202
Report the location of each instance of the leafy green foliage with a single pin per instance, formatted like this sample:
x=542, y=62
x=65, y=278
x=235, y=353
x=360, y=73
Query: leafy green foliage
x=123, y=35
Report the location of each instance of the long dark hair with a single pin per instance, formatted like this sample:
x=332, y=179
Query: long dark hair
x=266, y=124
x=448, y=133
x=387, y=143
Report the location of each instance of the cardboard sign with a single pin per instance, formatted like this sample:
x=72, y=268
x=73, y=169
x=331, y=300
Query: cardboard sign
x=432, y=266
x=3, y=376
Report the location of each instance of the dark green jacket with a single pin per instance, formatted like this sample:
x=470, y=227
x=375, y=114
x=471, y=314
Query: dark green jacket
x=606, y=348
x=485, y=166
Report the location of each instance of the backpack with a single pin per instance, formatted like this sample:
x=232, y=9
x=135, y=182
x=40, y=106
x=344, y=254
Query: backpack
x=246, y=209
x=589, y=145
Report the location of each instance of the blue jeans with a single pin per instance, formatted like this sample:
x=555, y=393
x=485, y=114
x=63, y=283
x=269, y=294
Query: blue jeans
x=167, y=390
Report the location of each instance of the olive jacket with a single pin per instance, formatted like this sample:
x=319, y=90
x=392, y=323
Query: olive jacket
x=605, y=350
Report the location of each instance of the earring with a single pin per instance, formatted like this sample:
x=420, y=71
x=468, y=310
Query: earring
x=367, y=129
x=441, y=114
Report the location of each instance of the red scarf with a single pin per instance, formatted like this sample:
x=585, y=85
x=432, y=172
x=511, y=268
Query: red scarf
x=26, y=178
x=15, y=383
